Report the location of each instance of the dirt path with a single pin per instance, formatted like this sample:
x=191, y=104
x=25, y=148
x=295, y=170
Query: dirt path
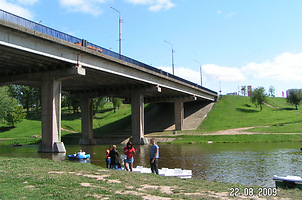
x=235, y=131
x=162, y=137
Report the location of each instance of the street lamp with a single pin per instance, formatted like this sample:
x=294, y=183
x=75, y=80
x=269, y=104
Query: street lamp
x=120, y=34
x=172, y=56
x=200, y=72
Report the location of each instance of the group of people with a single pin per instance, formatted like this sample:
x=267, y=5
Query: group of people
x=112, y=157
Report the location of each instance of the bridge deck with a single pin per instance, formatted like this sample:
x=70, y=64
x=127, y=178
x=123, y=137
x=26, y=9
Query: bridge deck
x=98, y=79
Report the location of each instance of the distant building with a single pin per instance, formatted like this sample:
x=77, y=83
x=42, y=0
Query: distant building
x=288, y=91
x=234, y=93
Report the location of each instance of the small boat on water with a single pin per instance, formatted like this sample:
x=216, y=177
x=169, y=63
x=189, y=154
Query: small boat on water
x=288, y=182
x=81, y=155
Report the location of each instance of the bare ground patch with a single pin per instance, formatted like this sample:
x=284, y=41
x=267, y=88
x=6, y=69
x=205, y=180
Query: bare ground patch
x=147, y=191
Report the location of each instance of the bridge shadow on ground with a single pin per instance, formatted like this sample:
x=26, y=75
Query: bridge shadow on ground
x=159, y=117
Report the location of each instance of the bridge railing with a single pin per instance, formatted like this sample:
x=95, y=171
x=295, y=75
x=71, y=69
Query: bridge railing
x=58, y=34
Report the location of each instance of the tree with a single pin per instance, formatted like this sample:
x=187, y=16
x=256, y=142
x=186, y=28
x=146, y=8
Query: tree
x=271, y=91
x=16, y=113
x=253, y=98
x=258, y=96
x=243, y=90
x=117, y=102
x=294, y=98
x=27, y=96
x=4, y=103
x=70, y=100
x=10, y=111
x=98, y=103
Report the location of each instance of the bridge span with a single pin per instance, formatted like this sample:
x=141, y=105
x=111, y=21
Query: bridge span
x=36, y=55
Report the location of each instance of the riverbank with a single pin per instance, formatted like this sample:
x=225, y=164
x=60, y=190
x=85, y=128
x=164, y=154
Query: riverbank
x=35, y=178
x=231, y=115
x=238, y=135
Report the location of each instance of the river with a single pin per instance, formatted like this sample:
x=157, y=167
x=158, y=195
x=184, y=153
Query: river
x=244, y=163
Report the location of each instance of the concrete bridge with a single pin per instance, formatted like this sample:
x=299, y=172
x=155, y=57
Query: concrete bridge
x=35, y=55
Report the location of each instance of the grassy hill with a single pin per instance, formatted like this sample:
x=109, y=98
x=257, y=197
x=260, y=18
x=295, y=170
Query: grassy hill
x=230, y=112
x=237, y=112
x=105, y=122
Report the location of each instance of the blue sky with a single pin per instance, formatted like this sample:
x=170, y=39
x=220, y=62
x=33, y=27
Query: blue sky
x=237, y=43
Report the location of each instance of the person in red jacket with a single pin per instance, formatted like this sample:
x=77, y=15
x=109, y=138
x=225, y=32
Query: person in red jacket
x=129, y=151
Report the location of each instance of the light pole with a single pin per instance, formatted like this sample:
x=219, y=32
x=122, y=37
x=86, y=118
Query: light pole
x=120, y=33
x=172, y=56
x=200, y=72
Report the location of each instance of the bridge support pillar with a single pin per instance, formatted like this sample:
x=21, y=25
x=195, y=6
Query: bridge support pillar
x=87, y=122
x=179, y=114
x=137, y=109
x=51, y=116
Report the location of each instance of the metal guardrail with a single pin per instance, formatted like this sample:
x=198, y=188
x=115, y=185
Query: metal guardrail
x=52, y=32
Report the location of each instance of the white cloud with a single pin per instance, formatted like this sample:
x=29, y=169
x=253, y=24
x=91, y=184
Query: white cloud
x=209, y=71
x=223, y=73
x=230, y=15
x=283, y=72
x=154, y=5
x=91, y=7
x=15, y=9
x=285, y=67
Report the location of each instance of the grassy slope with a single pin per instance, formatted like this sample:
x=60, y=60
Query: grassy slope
x=236, y=112
x=103, y=123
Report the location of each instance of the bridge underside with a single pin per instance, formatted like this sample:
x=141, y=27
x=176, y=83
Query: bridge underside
x=31, y=58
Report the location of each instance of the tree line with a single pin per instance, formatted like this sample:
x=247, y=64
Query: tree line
x=16, y=101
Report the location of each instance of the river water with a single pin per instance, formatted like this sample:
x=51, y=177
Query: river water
x=249, y=164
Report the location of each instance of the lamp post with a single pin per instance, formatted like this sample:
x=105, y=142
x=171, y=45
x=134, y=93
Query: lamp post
x=120, y=28
x=172, y=56
x=200, y=72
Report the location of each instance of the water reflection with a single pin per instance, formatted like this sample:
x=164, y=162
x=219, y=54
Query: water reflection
x=251, y=164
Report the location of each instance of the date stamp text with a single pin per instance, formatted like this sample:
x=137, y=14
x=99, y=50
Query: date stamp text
x=250, y=192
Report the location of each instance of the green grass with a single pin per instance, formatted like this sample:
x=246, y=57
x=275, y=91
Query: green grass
x=280, y=128
x=104, y=123
x=282, y=103
x=28, y=131
x=35, y=178
x=236, y=112
x=195, y=139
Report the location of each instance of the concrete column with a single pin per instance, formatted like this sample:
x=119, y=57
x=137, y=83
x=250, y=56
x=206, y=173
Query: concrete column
x=87, y=122
x=137, y=109
x=179, y=114
x=51, y=117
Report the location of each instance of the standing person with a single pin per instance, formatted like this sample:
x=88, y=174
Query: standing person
x=154, y=155
x=108, y=157
x=129, y=151
x=114, y=155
